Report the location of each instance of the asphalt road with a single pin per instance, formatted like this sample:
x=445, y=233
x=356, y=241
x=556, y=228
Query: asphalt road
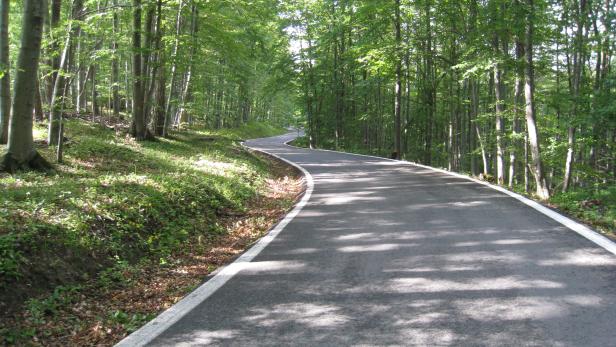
x=391, y=254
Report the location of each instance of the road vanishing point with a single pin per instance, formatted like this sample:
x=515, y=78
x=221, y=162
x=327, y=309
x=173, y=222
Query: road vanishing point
x=388, y=253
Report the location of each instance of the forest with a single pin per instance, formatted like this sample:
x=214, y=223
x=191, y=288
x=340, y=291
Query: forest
x=158, y=63
x=517, y=92
x=121, y=119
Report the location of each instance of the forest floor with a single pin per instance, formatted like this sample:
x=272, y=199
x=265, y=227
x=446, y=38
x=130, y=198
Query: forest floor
x=123, y=230
x=595, y=206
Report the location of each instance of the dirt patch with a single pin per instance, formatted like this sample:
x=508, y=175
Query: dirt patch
x=91, y=314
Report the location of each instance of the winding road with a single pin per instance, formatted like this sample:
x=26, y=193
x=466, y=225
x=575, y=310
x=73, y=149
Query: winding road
x=386, y=253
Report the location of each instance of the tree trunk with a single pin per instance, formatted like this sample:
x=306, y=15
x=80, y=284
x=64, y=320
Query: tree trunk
x=178, y=28
x=57, y=95
x=498, y=89
x=519, y=86
x=138, y=129
x=185, y=92
x=159, y=123
x=21, y=153
x=578, y=63
x=529, y=88
x=39, y=115
x=115, y=65
x=5, y=82
x=95, y=107
x=398, y=88
x=54, y=46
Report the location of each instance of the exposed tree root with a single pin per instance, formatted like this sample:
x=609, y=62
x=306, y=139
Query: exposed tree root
x=35, y=162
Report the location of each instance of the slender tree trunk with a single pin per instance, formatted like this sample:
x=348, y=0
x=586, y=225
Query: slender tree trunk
x=96, y=113
x=529, y=88
x=398, y=88
x=178, y=28
x=138, y=128
x=578, y=63
x=526, y=165
x=155, y=67
x=5, y=82
x=57, y=95
x=518, y=88
x=115, y=64
x=160, y=101
x=82, y=77
x=54, y=46
x=185, y=93
x=39, y=115
x=498, y=89
x=21, y=153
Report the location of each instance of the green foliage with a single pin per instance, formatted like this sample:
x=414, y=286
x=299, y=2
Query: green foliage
x=597, y=206
x=129, y=322
x=10, y=256
x=40, y=309
x=116, y=201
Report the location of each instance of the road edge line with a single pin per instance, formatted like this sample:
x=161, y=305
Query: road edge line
x=579, y=228
x=170, y=316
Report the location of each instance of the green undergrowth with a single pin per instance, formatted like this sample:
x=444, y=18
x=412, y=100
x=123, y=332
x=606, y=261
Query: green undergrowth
x=594, y=206
x=115, y=200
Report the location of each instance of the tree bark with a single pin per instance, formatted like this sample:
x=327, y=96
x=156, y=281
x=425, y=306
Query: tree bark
x=398, y=87
x=578, y=63
x=529, y=88
x=57, y=94
x=178, y=28
x=5, y=82
x=518, y=88
x=498, y=89
x=138, y=128
x=115, y=64
x=21, y=153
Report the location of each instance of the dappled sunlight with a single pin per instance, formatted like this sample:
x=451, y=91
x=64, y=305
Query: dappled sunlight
x=307, y=314
x=343, y=199
x=219, y=168
x=372, y=248
x=508, y=257
x=279, y=267
x=446, y=268
x=581, y=257
x=205, y=337
x=355, y=236
x=303, y=251
x=510, y=309
x=428, y=285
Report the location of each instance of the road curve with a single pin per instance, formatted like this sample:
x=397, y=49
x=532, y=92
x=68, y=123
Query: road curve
x=392, y=254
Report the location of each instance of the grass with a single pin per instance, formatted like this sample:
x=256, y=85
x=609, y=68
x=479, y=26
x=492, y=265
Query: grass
x=594, y=206
x=115, y=203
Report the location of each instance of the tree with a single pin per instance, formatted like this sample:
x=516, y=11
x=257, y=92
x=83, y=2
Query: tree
x=398, y=87
x=58, y=88
x=5, y=79
x=529, y=89
x=21, y=153
x=138, y=128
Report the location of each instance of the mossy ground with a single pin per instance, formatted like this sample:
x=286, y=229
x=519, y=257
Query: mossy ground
x=115, y=207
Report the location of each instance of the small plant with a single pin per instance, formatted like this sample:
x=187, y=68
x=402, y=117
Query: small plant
x=38, y=309
x=10, y=256
x=117, y=275
x=129, y=322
